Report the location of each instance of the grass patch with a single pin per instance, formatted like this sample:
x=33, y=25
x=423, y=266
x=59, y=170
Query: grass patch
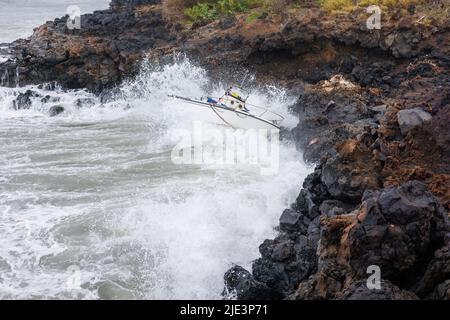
x=252, y=16
x=208, y=10
x=202, y=12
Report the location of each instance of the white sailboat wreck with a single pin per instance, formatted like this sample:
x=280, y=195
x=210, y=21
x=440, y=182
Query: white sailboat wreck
x=233, y=110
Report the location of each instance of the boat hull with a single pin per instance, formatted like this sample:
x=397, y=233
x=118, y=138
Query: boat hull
x=232, y=118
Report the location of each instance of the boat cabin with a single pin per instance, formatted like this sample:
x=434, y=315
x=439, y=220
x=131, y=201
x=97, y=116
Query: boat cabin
x=235, y=98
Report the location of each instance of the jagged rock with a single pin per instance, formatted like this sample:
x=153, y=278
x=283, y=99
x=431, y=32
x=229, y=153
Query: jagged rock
x=442, y=292
x=23, y=100
x=84, y=102
x=395, y=229
x=351, y=171
x=289, y=220
x=411, y=118
x=241, y=282
x=55, y=110
x=437, y=127
x=359, y=291
x=438, y=270
x=227, y=22
x=285, y=262
x=331, y=208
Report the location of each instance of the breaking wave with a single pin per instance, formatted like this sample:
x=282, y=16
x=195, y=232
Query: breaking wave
x=93, y=193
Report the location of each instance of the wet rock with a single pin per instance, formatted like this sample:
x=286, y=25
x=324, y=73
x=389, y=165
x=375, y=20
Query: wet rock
x=49, y=98
x=23, y=100
x=240, y=282
x=4, y=266
x=332, y=255
x=84, y=102
x=289, y=220
x=359, y=291
x=285, y=262
x=410, y=118
x=113, y=291
x=55, y=110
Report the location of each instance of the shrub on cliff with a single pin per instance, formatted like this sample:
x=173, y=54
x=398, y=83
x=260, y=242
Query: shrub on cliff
x=208, y=10
x=213, y=9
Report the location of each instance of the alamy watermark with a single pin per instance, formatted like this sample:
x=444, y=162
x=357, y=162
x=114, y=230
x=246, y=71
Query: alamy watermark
x=74, y=20
x=374, y=280
x=73, y=281
x=374, y=21
x=212, y=146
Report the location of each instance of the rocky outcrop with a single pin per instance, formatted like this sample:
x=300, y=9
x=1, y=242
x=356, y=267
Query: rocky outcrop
x=55, y=110
x=403, y=231
x=379, y=194
x=23, y=100
x=359, y=291
x=373, y=108
x=99, y=54
x=305, y=45
x=411, y=118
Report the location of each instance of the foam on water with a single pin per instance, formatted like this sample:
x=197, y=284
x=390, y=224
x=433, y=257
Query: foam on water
x=95, y=188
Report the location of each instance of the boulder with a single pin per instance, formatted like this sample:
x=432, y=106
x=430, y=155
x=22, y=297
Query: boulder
x=396, y=229
x=240, y=282
x=442, y=292
x=437, y=271
x=55, y=110
x=410, y=118
x=23, y=100
x=285, y=262
x=351, y=171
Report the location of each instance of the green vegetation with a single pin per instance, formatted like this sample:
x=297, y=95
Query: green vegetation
x=202, y=12
x=252, y=16
x=208, y=10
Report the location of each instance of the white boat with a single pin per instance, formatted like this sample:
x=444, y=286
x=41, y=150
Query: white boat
x=233, y=110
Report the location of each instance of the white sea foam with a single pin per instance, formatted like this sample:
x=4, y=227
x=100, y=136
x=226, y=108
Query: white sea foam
x=95, y=188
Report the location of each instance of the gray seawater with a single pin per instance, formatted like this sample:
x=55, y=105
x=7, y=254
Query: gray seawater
x=92, y=207
x=19, y=17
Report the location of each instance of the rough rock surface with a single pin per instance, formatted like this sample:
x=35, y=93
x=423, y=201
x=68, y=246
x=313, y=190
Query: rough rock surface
x=55, y=110
x=359, y=291
x=380, y=192
x=99, y=54
x=410, y=118
x=373, y=108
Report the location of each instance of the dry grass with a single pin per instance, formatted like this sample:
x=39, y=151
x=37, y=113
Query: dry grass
x=349, y=5
x=173, y=10
x=280, y=6
x=144, y=9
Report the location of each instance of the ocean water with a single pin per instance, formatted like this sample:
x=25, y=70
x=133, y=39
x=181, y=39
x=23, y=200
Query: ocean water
x=19, y=17
x=93, y=207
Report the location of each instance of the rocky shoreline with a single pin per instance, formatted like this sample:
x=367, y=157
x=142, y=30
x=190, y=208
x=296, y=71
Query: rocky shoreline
x=373, y=107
